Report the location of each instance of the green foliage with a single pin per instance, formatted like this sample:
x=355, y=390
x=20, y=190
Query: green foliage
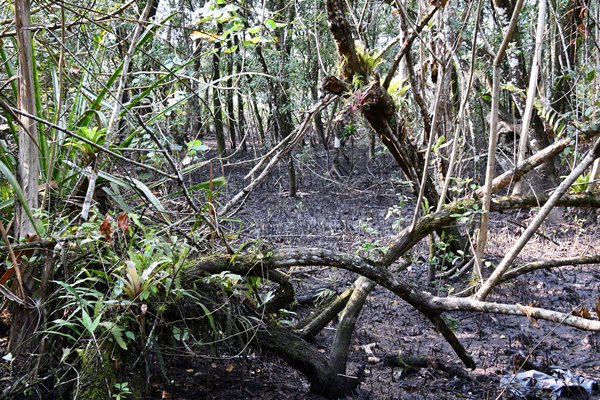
x=18, y=191
x=581, y=184
x=357, y=81
x=96, y=136
x=349, y=130
x=397, y=213
x=324, y=296
x=462, y=186
x=555, y=121
x=468, y=213
x=230, y=17
x=368, y=60
x=397, y=89
x=123, y=391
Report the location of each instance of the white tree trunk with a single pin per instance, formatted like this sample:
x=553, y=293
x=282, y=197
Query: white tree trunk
x=29, y=166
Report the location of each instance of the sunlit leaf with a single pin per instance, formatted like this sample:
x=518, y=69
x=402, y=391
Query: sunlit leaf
x=201, y=35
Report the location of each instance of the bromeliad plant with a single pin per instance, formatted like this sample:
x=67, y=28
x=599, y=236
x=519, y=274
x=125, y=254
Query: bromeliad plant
x=125, y=277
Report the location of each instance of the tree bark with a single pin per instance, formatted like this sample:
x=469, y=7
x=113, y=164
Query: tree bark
x=22, y=341
x=231, y=118
x=217, y=107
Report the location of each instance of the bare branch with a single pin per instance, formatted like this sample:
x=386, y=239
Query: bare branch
x=512, y=254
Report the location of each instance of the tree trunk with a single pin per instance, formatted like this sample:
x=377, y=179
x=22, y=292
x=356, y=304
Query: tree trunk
x=241, y=121
x=24, y=319
x=192, y=123
x=231, y=120
x=517, y=74
x=217, y=112
x=379, y=108
x=566, y=58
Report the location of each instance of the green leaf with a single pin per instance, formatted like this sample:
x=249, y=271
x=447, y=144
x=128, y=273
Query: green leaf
x=590, y=75
x=270, y=23
x=135, y=185
x=12, y=180
x=231, y=49
x=69, y=289
x=87, y=117
x=208, y=315
x=87, y=322
x=197, y=145
x=438, y=144
x=117, y=333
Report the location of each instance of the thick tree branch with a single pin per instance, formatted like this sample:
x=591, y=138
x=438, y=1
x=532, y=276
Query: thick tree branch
x=549, y=264
x=408, y=43
x=421, y=300
x=304, y=357
x=342, y=35
x=345, y=329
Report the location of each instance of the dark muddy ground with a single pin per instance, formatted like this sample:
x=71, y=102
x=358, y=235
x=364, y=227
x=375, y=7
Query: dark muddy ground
x=353, y=214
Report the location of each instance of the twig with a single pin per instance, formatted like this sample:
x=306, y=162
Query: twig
x=15, y=263
x=91, y=143
x=561, y=262
x=171, y=162
x=540, y=234
x=277, y=153
x=407, y=44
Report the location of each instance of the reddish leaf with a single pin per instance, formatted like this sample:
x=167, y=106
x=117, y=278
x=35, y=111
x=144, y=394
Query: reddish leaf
x=598, y=307
x=105, y=228
x=123, y=221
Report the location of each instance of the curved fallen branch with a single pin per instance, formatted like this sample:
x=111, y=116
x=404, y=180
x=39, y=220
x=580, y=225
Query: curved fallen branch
x=420, y=299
